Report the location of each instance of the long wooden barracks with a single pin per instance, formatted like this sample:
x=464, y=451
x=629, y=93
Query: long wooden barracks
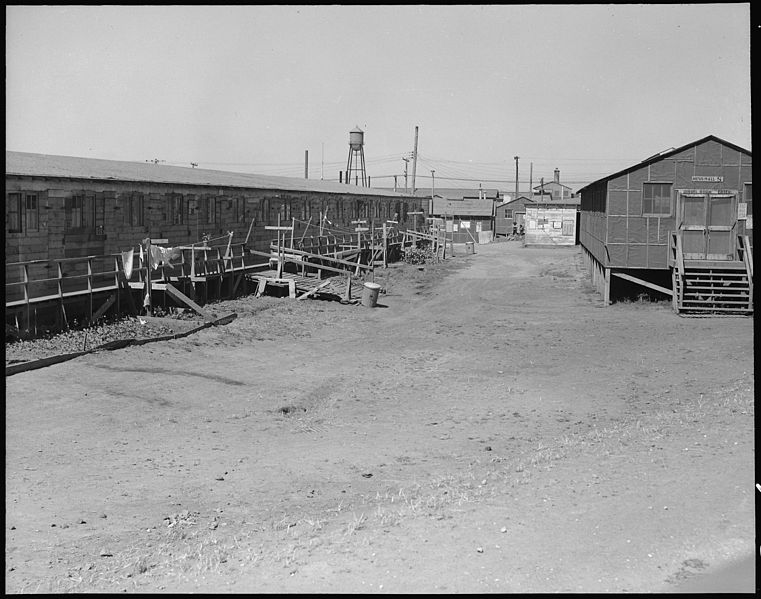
x=680, y=223
x=71, y=224
x=61, y=206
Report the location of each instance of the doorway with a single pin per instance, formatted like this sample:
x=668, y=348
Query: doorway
x=707, y=224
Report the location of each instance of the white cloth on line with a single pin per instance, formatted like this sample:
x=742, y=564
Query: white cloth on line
x=127, y=262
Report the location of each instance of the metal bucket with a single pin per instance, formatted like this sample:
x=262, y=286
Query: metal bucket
x=370, y=294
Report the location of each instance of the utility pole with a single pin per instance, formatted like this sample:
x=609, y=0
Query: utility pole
x=433, y=187
x=531, y=181
x=414, y=162
x=516, y=176
x=322, y=162
x=306, y=164
x=406, y=161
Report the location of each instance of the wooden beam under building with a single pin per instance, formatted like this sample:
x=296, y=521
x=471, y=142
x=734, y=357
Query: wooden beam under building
x=642, y=282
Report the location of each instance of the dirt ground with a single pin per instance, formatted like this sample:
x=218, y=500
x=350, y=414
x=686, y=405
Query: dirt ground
x=490, y=426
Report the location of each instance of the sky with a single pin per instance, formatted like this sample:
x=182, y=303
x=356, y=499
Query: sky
x=587, y=89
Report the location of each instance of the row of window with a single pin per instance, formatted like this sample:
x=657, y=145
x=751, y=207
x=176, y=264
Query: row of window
x=657, y=199
x=87, y=211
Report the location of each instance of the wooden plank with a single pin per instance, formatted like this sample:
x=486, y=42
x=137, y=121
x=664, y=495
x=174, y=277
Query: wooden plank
x=106, y=305
x=642, y=282
x=179, y=296
x=318, y=257
x=314, y=290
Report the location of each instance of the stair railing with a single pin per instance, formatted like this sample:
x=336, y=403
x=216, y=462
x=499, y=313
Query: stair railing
x=744, y=245
x=747, y=253
x=678, y=278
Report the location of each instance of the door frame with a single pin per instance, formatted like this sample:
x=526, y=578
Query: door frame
x=706, y=227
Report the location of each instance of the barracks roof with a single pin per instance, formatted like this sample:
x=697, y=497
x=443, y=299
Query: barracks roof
x=666, y=154
x=46, y=165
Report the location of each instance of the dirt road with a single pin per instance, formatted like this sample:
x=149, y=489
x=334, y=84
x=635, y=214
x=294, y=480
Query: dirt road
x=489, y=427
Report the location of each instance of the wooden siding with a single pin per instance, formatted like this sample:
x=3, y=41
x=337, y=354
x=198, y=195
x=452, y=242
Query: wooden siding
x=615, y=230
x=233, y=210
x=550, y=225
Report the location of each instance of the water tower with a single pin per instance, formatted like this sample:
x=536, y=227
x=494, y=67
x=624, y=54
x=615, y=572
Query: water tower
x=355, y=166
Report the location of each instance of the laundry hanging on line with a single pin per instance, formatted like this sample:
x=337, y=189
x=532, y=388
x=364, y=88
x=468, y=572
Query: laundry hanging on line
x=165, y=256
x=127, y=262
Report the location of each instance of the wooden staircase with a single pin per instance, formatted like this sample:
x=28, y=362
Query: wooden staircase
x=705, y=287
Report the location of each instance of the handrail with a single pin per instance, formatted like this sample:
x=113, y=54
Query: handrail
x=676, y=243
x=679, y=254
x=747, y=253
x=88, y=271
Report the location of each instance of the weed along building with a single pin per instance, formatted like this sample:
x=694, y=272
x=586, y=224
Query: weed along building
x=679, y=223
x=61, y=209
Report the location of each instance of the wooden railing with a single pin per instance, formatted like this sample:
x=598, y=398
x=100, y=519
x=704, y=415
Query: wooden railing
x=31, y=283
x=745, y=251
x=677, y=257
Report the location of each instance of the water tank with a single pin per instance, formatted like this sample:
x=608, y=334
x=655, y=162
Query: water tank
x=356, y=138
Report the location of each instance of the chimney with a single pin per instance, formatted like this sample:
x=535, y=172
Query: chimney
x=557, y=175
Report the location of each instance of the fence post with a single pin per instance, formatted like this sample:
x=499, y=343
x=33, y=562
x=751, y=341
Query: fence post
x=89, y=285
x=26, y=296
x=116, y=284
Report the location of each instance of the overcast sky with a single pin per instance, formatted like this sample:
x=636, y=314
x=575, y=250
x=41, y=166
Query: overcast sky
x=588, y=89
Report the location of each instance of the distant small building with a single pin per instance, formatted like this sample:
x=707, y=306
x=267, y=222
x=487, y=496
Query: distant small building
x=509, y=217
x=470, y=220
x=455, y=193
x=555, y=190
x=552, y=222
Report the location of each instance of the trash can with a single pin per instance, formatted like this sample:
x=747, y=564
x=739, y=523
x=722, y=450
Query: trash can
x=470, y=247
x=370, y=294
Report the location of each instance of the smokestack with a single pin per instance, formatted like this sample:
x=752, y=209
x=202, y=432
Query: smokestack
x=557, y=175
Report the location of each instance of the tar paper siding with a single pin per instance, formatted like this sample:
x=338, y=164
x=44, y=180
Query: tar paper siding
x=469, y=229
x=210, y=210
x=613, y=227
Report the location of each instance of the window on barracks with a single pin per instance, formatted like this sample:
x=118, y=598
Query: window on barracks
x=136, y=204
x=211, y=210
x=13, y=213
x=748, y=197
x=178, y=209
x=80, y=211
x=656, y=199
x=31, y=210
